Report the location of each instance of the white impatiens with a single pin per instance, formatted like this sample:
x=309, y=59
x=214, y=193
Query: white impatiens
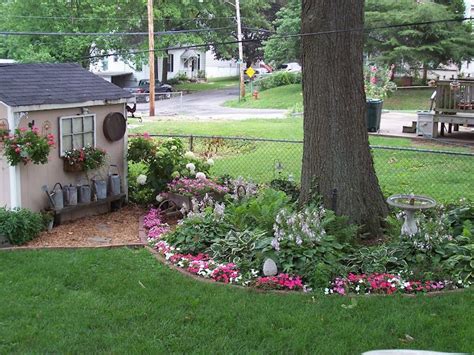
x=201, y=176
x=189, y=155
x=210, y=161
x=159, y=198
x=141, y=179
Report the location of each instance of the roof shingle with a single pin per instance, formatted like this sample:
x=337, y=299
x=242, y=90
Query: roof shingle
x=53, y=83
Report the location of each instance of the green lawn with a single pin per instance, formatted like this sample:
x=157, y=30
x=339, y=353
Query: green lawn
x=444, y=177
x=290, y=97
x=212, y=84
x=124, y=301
x=283, y=97
x=409, y=99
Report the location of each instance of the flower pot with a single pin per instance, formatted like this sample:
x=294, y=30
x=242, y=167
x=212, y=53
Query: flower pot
x=74, y=167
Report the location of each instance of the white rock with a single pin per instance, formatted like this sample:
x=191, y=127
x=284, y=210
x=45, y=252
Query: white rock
x=270, y=268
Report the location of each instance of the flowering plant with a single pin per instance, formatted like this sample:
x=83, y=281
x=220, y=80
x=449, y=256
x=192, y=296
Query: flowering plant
x=196, y=187
x=377, y=82
x=386, y=284
x=89, y=157
x=25, y=146
x=280, y=282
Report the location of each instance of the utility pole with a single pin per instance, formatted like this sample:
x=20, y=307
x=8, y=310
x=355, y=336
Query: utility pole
x=241, y=50
x=151, y=57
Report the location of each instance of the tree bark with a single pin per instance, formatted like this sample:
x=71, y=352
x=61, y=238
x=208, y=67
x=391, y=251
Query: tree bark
x=336, y=155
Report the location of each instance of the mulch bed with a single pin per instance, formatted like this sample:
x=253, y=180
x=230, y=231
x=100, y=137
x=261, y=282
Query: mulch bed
x=115, y=228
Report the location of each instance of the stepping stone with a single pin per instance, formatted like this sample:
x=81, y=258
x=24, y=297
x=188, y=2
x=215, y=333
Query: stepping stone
x=103, y=226
x=101, y=240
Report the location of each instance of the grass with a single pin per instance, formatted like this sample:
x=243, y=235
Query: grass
x=290, y=97
x=124, y=301
x=409, y=99
x=283, y=97
x=211, y=84
x=446, y=178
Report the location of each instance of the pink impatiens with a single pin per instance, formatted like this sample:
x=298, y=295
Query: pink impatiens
x=383, y=283
x=280, y=281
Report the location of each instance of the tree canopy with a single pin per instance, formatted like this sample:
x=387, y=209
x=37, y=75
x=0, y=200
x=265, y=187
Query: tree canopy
x=108, y=16
x=423, y=45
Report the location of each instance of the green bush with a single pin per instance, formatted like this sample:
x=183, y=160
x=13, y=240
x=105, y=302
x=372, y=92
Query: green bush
x=277, y=79
x=20, y=225
x=258, y=212
x=197, y=233
x=243, y=248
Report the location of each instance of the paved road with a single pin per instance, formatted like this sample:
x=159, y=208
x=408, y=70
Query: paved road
x=207, y=105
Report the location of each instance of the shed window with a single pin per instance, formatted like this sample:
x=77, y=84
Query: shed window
x=76, y=132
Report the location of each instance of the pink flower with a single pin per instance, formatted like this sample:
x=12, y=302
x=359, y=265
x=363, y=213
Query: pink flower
x=373, y=80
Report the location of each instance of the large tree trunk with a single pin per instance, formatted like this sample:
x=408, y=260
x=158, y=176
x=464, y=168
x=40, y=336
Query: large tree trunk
x=336, y=154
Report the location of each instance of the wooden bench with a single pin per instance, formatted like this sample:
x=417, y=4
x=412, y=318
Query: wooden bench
x=454, y=105
x=112, y=202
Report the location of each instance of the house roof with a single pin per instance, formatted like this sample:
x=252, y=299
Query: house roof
x=53, y=83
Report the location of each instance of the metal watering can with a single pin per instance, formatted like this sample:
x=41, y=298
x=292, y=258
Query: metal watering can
x=84, y=193
x=114, y=181
x=70, y=195
x=100, y=188
x=55, y=196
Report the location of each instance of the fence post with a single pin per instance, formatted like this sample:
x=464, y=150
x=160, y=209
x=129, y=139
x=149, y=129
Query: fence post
x=191, y=141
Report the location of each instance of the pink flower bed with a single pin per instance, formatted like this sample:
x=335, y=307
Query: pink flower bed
x=280, y=281
x=382, y=284
x=204, y=266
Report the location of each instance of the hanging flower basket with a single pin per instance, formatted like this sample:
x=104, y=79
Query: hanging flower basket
x=73, y=167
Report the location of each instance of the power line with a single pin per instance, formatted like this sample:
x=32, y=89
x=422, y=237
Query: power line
x=113, y=18
x=160, y=33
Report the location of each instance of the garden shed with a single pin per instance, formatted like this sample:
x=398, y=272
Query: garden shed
x=70, y=104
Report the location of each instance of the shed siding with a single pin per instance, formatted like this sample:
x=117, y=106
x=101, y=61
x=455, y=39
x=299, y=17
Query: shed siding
x=33, y=177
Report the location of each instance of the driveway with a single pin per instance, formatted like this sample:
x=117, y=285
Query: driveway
x=207, y=105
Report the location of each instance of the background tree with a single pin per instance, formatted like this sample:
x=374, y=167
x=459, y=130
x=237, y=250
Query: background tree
x=65, y=16
x=419, y=46
x=279, y=50
x=336, y=153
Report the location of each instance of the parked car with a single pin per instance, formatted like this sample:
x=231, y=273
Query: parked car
x=294, y=67
x=141, y=92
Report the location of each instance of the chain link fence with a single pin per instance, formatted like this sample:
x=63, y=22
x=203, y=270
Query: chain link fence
x=444, y=175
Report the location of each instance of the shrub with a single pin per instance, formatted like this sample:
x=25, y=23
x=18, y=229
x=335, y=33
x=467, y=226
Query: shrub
x=139, y=193
x=243, y=248
x=277, y=79
x=289, y=187
x=141, y=149
x=259, y=211
x=20, y=225
x=197, y=233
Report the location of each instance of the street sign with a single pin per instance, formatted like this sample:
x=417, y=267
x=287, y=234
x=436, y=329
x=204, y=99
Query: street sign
x=250, y=72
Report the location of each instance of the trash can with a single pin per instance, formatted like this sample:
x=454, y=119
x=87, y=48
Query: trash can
x=374, y=113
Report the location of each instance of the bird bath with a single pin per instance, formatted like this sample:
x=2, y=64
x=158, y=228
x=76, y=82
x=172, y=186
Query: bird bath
x=410, y=204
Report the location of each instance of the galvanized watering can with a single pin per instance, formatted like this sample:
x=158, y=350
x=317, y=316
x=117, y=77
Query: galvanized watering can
x=70, y=195
x=84, y=193
x=55, y=196
x=114, y=181
x=100, y=188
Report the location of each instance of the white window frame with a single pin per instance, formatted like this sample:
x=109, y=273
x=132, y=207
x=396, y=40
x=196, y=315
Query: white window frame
x=63, y=118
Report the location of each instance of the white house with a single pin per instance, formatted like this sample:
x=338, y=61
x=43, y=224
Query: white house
x=191, y=62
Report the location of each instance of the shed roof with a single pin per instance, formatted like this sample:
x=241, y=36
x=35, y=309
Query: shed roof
x=53, y=83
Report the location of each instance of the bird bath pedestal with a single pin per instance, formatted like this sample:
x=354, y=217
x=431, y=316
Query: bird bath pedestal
x=410, y=204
